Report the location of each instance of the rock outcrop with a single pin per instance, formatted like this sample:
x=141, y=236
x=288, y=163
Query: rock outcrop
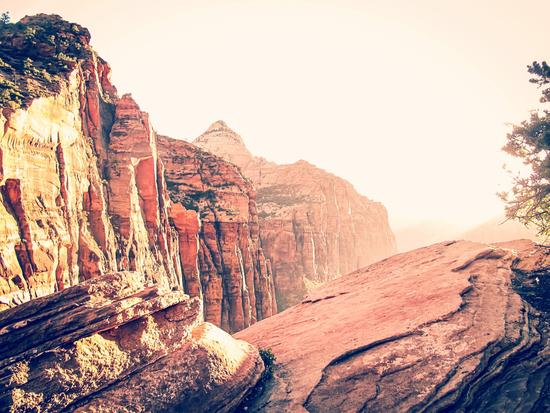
x=457, y=326
x=83, y=189
x=227, y=268
x=117, y=343
x=314, y=225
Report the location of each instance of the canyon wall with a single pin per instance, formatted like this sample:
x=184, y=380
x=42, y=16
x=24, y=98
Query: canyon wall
x=314, y=225
x=227, y=267
x=83, y=189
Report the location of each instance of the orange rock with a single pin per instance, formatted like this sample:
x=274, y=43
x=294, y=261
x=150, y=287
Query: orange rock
x=83, y=193
x=116, y=343
x=235, y=281
x=456, y=326
x=314, y=225
x=137, y=204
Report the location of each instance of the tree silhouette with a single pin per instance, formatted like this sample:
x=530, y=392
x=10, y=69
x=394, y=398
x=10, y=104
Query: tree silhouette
x=5, y=18
x=529, y=199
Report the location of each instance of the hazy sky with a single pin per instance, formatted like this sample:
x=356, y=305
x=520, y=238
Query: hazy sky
x=408, y=100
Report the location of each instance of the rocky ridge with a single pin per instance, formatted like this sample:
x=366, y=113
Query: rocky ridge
x=225, y=263
x=118, y=343
x=457, y=326
x=83, y=188
x=314, y=225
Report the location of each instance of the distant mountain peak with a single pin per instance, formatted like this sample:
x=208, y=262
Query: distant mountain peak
x=225, y=142
x=218, y=125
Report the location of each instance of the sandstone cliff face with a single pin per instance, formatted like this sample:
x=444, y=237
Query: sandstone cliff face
x=71, y=203
x=228, y=268
x=55, y=226
x=456, y=326
x=83, y=190
x=314, y=225
x=117, y=343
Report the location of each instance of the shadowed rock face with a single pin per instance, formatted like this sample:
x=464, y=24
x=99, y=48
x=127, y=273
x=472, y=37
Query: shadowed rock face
x=229, y=269
x=456, y=326
x=314, y=225
x=83, y=189
x=117, y=343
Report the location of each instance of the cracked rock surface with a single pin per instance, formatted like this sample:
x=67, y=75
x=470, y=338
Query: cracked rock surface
x=456, y=326
x=117, y=343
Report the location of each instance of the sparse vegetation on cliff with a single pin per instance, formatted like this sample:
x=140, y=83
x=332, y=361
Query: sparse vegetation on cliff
x=37, y=53
x=529, y=199
x=282, y=195
x=269, y=359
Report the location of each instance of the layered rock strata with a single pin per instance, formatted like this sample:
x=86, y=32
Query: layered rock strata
x=314, y=225
x=83, y=190
x=456, y=326
x=227, y=267
x=117, y=343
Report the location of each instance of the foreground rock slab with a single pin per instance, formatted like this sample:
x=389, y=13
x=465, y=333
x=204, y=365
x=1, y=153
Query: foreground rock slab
x=118, y=344
x=457, y=326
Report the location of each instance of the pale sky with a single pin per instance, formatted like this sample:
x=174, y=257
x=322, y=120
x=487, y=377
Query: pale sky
x=408, y=100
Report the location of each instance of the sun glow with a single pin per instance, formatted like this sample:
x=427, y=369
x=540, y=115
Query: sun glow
x=407, y=100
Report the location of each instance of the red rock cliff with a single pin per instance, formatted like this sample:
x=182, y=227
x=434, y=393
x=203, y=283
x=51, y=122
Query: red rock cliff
x=83, y=191
x=314, y=225
x=228, y=269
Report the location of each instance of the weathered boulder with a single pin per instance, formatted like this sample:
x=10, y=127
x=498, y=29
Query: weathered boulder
x=314, y=225
x=118, y=343
x=457, y=326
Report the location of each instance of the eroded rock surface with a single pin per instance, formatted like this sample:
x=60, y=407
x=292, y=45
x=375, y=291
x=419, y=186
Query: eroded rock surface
x=457, y=326
x=119, y=343
x=314, y=225
x=83, y=189
x=228, y=268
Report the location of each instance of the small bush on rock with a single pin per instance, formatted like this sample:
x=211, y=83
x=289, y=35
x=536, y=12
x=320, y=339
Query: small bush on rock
x=269, y=360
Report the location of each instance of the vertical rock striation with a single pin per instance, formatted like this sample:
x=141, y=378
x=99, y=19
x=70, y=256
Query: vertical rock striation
x=138, y=199
x=228, y=268
x=83, y=189
x=55, y=226
x=314, y=225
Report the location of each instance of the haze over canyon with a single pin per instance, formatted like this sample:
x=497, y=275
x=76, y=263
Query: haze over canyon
x=144, y=272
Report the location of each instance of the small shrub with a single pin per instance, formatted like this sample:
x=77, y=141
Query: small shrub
x=5, y=18
x=29, y=32
x=269, y=360
x=27, y=64
x=45, y=75
x=66, y=58
x=263, y=215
